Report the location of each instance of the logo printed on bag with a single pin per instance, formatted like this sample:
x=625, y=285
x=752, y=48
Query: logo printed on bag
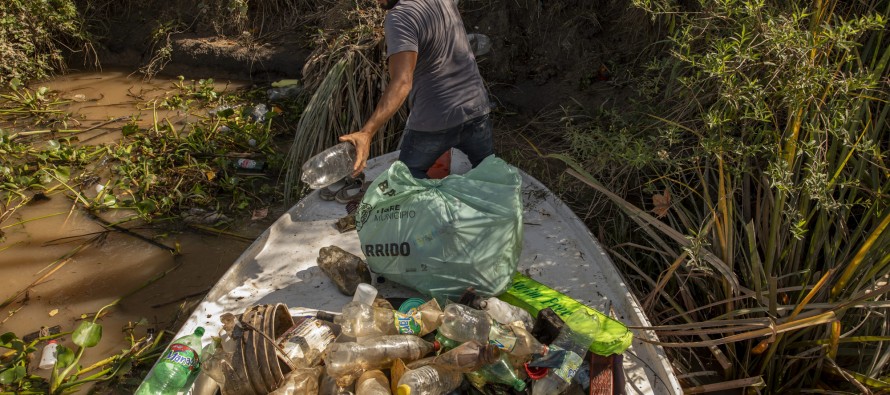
x=385, y=189
x=393, y=212
x=361, y=215
x=389, y=249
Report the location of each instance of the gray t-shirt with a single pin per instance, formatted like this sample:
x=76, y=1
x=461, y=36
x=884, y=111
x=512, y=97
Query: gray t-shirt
x=448, y=89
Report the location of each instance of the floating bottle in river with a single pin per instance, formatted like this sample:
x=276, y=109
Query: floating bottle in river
x=430, y=379
x=346, y=361
x=48, y=357
x=329, y=166
x=575, y=344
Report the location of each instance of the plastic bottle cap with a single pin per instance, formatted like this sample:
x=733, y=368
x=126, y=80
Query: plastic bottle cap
x=365, y=294
x=199, y=331
x=536, y=373
x=436, y=345
x=410, y=303
x=53, y=341
x=403, y=389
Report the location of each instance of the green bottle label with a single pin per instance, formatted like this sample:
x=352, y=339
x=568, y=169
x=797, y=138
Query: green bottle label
x=407, y=323
x=181, y=354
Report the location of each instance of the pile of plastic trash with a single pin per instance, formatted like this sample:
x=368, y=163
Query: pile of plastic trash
x=370, y=347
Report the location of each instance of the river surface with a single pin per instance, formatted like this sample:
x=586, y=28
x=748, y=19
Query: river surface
x=43, y=232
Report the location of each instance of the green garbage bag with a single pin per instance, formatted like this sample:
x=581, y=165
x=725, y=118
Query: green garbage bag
x=441, y=236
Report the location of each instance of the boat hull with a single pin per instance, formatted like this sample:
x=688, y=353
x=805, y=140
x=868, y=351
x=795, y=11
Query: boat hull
x=558, y=250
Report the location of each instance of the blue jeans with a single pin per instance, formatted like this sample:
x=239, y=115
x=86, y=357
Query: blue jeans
x=419, y=150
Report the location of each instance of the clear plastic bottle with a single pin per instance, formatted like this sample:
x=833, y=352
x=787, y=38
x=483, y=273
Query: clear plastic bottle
x=299, y=382
x=429, y=380
x=372, y=382
x=176, y=367
x=48, y=357
x=462, y=323
x=329, y=166
x=304, y=343
x=346, y=361
x=500, y=372
x=506, y=313
x=360, y=320
x=468, y=357
x=575, y=344
x=515, y=340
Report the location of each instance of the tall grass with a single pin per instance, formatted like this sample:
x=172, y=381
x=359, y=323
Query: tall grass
x=346, y=75
x=773, y=247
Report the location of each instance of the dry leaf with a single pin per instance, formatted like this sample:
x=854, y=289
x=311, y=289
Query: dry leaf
x=662, y=203
x=259, y=213
x=53, y=312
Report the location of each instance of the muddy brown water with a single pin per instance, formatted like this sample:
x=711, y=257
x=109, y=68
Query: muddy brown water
x=120, y=263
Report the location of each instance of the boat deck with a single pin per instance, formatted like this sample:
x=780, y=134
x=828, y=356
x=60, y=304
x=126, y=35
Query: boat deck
x=558, y=250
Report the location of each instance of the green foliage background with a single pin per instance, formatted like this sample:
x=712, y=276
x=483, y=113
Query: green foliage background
x=34, y=35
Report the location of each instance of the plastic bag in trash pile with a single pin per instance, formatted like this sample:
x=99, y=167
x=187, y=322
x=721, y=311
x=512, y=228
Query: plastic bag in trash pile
x=442, y=236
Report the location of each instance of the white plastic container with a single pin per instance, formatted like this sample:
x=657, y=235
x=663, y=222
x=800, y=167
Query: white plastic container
x=48, y=357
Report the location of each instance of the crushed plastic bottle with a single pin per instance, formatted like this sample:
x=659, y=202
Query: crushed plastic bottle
x=305, y=343
x=360, y=320
x=300, y=381
x=283, y=92
x=259, y=113
x=372, y=382
x=329, y=166
x=462, y=323
x=468, y=357
x=575, y=344
x=176, y=367
x=506, y=313
x=346, y=361
x=430, y=379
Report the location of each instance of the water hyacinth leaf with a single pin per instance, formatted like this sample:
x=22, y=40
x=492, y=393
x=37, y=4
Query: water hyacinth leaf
x=6, y=339
x=129, y=129
x=63, y=173
x=87, y=334
x=109, y=200
x=12, y=375
x=146, y=206
x=64, y=357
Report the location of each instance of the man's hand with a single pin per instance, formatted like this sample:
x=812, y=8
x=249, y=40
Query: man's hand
x=362, y=142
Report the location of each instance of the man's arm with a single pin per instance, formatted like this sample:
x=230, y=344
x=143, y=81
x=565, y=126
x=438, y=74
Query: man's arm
x=401, y=76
